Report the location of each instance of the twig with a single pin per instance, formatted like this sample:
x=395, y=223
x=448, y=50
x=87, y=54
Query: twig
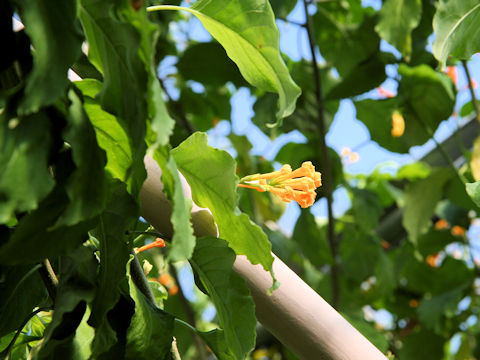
x=49, y=278
x=327, y=172
x=472, y=92
x=181, y=113
x=190, y=313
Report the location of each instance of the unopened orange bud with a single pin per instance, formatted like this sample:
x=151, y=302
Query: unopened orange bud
x=165, y=279
x=398, y=124
x=413, y=303
x=452, y=73
x=173, y=290
x=432, y=260
x=441, y=224
x=458, y=231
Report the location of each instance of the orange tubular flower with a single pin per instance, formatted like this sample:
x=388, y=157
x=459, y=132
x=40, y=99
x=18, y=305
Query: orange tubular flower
x=441, y=224
x=288, y=185
x=159, y=242
x=458, y=231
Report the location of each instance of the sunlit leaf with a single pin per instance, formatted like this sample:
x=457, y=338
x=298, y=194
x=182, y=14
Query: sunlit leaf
x=211, y=175
x=256, y=53
x=456, y=29
x=212, y=261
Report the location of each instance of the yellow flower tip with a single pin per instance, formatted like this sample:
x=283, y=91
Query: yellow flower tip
x=398, y=124
x=317, y=179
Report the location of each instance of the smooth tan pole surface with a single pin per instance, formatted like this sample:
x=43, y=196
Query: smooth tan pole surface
x=294, y=313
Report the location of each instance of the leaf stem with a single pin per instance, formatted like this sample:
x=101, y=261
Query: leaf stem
x=325, y=160
x=472, y=92
x=49, y=278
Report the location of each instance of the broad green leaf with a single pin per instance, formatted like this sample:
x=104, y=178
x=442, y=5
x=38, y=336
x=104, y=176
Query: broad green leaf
x=36, y=238
x=149, y=335
x=183, y=241
x=56, y=38
x=77, y=277
x=209, y=64
x=421, y=197
x=473, y=190
x=434, y=241
x=86, y=186
x=111, y=136
x=281, y=8
x=115, y=49
x=422, y=344
x=312, y=239
x=366, y=208
x=456, y=29
x=432, y=310
x=430, y=95
x=255, y=52
x=212, y=261
x=467, y=109
x=22, y=289
x=119, y=215
x=211, y=175
x=25, y=179
x=215, y=339
x=397, y=20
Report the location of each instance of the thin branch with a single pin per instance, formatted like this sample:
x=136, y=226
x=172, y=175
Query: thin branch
x=472, y=92
x=181, y=113
x=190, y=313
x=327, y=172
x=49, y=278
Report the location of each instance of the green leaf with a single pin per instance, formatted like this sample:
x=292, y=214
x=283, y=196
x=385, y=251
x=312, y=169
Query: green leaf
x=282, y=8
x=422, y=344
x=421, y=198
x=211, y=175
x=57, y=38
x=467, y=109
x=366, y=208
x=86, y=186
x=473, y=190
x=256, y=53
x=150, y=332
x=434, y=241
x=456, y=29
x=428, y=93
x=21, y=290
x=76, y=287
x=212, y=261
x=115, y=49
x=209, y=64
x=25, y=179
x=183, y=241
x=397, y=20
x=111, y=136
x=312, y=239
x=119, y=215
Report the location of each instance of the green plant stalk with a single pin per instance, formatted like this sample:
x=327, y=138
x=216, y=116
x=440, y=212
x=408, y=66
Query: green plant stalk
x=472, y=92
x=327, y=172
x=49, y=278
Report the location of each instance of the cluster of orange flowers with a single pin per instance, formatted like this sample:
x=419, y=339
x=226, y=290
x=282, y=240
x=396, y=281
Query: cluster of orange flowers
x=298, y=185
x=456, y=230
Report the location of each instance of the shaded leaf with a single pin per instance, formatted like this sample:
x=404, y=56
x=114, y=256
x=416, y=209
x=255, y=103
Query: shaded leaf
x=421, y=197
x=211, y=175
x=366, y=208
x=397, y=20
x=473, y=190
x=455, y=24
x=312, y=239
x=25, y=178
x=422, y=344
x=57, y=38
x=212, y=261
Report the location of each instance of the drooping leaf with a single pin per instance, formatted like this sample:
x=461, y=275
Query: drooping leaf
x=421, y=197
x=312, y=239
x=183, y=241
x=75, y=289
x=119, y=215
x=21, y=290
x=211, y=175
x=397, y=20
x=25, y=179
x=215, y=339
x=86, y=186
x=150, y=332
x=456, y=31
x=209, y=64
x=57, y=38
x=256, y=53
x=115, y=49
x=212, y=261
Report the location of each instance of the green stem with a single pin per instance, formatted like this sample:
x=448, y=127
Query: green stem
x=325, y=160
x=472, y=92
x=49, y=278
